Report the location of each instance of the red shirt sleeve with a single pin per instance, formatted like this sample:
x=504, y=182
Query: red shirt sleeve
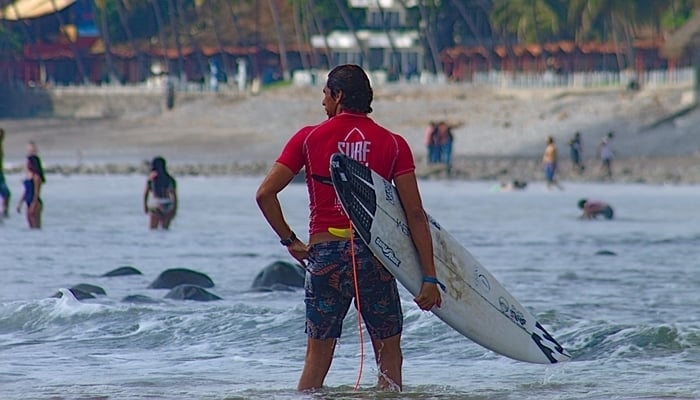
x=292, y=155
x=404, y=162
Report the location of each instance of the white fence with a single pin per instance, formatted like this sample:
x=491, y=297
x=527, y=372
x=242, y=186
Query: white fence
x=498, y=79
x=585, y=79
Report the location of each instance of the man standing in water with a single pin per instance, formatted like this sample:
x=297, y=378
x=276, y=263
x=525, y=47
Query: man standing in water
x=4, y=190
x=328, y=258
x=550, y=159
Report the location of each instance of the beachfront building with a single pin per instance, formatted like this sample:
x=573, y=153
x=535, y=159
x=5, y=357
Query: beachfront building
x=563, y=57
x=384, y=44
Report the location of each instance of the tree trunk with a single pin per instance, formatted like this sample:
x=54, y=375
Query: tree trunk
x=178, y=45
x=130, y=36
x=73, y=47
x=31, y=41
x=437, y=64
x=319, y=28
x=104, y=30
x=299, y=36
x=197, y=48
x=161, y=34
x=392, y=44
x=217, y=37
x=470, y=23
x=351, y=27
x=280, y=39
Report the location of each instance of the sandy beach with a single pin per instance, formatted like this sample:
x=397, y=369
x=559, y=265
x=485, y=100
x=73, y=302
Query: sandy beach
x=499, y=133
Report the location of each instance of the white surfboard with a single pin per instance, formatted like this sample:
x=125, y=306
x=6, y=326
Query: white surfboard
x=474, y=302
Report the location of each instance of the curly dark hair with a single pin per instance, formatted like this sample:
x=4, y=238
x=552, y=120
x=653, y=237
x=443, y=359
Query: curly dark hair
x=352, y=80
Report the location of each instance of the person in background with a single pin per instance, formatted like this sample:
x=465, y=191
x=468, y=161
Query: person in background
x=432, y=147
x=329, y=257
x=606, y=153
x=163, y=207
x=549, y=161
x=592, y=209
x=445, y=138
x=576, y=153
x=32, y=149
x=4, y=190
x=32, y=192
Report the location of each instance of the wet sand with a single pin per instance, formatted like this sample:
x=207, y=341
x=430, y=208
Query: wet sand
x=499, y=134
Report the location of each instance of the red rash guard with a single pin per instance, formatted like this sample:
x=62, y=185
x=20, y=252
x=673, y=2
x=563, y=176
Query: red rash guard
x=355, y=135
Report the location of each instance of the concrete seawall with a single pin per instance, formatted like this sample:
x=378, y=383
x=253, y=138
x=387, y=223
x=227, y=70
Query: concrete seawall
x=88, y=102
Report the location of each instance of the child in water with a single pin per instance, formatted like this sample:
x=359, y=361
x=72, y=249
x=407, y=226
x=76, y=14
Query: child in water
x=163, y=206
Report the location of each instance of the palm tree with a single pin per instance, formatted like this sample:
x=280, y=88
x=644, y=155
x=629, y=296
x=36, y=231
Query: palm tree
x=617, y=19
x=530, y=21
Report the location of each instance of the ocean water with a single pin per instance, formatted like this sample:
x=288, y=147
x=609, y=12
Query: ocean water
x=631, y=320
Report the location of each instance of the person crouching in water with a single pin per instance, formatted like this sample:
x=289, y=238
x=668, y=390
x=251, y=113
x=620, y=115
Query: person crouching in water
x=32, y=192
x=592, y=209
x=163, y=207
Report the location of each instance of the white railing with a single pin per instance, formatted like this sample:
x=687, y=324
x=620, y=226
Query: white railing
x=584, y=79
x=498, y=79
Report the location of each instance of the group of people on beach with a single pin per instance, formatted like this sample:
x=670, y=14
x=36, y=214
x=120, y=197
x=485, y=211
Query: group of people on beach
x=438, y=141
x=550, y=158
x=32, y=184
x=159, y=198
x=591, y=208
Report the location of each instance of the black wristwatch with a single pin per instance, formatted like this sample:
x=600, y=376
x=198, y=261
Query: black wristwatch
x=288, y=241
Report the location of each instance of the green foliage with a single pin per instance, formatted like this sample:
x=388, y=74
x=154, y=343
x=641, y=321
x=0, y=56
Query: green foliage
x=540, y=20
x=450, y=22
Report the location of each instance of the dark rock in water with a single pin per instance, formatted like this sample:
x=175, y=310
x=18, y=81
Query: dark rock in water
x=280, y=275
x=80, y=295
x=123, y=271
x=88, y=288
x=191, y=292
x=77, y=293
x=140, y=299
x=170, y=278
x=605, y=253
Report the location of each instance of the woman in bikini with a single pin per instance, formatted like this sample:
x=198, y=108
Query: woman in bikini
x=163, y=206
x=32, y=192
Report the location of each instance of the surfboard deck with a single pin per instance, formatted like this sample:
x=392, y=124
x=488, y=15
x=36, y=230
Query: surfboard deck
x=474, y=303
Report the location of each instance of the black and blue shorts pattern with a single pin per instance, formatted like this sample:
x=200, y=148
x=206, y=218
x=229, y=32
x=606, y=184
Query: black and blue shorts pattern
x=330, y=289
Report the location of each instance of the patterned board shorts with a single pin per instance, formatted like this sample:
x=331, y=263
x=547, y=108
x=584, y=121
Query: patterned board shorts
x=330, y=289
